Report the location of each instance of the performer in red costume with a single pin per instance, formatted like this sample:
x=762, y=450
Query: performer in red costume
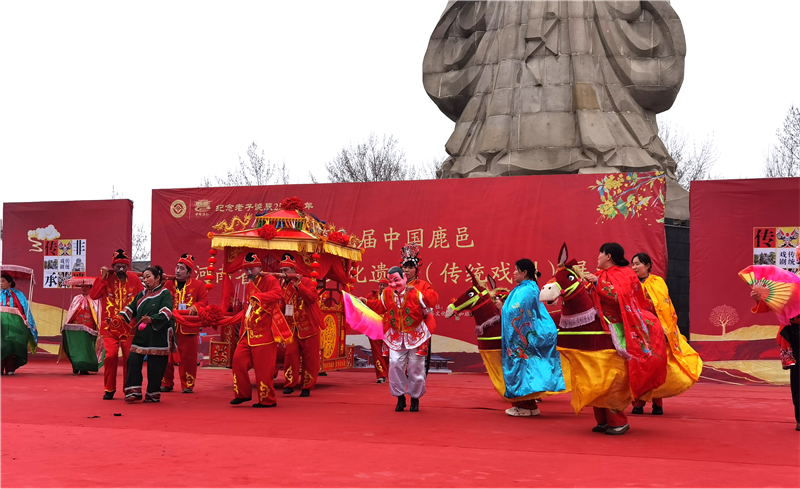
x=379, y=351
x=263, y=325
x=115, y=289
x=410, y=262
x=300, y=305
x=189, y=297
x=405, y=333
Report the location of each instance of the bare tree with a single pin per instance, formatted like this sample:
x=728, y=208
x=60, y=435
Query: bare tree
x=115, y=194
x=694, y=160
x=371, y=161
x=428, y=169
x=257, y=170
x=140, y=243
x=783, y=158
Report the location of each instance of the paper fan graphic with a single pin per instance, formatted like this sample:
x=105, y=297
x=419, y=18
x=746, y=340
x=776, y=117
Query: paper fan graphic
x=779, y=289
x=361, y=318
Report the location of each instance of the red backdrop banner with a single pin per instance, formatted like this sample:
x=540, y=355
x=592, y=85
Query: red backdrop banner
x=736, y=223
x=486, y=224
x=59, y=240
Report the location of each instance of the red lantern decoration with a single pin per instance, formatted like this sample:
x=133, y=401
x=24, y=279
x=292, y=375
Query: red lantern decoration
x=212, y=252
x=212, y=260
x=316, y=256
x=315, y=274
x=353, y=272
x=209, y=286
x=211, y=268
x=315, y=265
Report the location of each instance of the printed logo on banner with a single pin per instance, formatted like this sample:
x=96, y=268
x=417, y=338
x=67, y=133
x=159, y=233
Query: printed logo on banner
x=177, y=208
x=776, y=246
x=202, y=207
x=63, y=260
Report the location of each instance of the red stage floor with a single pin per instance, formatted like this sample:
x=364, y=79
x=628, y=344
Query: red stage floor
x=348, y=435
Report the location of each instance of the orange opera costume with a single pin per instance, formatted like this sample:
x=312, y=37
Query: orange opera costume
x=189, y=298
x=263, y=326
x=115, y=290
x=300, y=305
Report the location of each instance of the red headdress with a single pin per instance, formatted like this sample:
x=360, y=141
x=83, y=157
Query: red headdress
x=287, y=261
x=187, y=260
x=120, y=257
x=383, y=281
x=252, y=260
x=410, y=254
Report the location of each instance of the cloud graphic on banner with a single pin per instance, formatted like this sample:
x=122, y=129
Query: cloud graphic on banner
x=50, y=232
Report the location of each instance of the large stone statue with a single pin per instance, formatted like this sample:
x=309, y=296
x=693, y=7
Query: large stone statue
x=551, y=86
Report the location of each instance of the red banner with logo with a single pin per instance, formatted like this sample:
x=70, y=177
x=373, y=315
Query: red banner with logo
x=61, y=240
x=485, y=224
x=736, y=223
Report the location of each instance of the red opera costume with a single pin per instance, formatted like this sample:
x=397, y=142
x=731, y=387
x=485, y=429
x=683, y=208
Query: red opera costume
x=114, y=295
x=301, y=309
x=191, y=293
x=262, y=326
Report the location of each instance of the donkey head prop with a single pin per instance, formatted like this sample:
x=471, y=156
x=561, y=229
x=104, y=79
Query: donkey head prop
x=567, y=284
x=478, y=299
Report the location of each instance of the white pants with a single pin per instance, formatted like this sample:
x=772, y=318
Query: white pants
x=399, y=383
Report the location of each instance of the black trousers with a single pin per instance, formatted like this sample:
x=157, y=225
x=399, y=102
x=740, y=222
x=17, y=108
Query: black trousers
x=156, y=366
x=794, y=382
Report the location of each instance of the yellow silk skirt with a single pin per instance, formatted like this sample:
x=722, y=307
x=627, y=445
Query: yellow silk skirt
x=597, y=378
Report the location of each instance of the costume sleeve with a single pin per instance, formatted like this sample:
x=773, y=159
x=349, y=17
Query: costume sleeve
x=161, y=314
x=130, y=310
x=373, y=300
x=430, y=296
x=99, y=287
x=760, y=306
x=380, y=307
x=271, y=292
x=202, y=297
x=307, y=291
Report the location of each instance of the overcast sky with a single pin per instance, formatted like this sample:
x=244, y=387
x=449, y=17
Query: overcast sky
x=143, y=95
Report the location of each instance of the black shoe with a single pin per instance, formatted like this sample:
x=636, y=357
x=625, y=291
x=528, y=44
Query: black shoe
x=240, y=400
x=601, y=428
x=638, y=410
x=305, y=393
x=288, y=390
x=165, y=389
x=401, y=403
x=414, y=405
x=188, y=391
x=84, y=372
x=618, y=430
x=797, y=428
x=658, y=410
x=382, y=380
x=259, y=405
x=74, y=372
x=323, y=374
x=109, y=395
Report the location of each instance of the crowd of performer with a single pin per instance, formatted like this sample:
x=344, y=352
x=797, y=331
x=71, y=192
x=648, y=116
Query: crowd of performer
x=617, y=330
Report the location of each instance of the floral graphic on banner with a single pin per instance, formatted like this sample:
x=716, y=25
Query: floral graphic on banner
x=633, y=195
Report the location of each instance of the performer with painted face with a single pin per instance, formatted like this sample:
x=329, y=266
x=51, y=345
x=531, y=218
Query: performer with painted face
x=410, y=261
x=404, y=312
x=379, y=351
x=300, y=304
x=115, y=289
x=263, y=325
x=189, y=297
